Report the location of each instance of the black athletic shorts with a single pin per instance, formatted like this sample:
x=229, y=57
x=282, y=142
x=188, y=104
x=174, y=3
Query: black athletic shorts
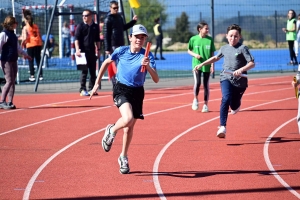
x=133, y=95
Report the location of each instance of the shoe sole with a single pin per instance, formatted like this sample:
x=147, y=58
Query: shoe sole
x=221, y=135
x=104, y=136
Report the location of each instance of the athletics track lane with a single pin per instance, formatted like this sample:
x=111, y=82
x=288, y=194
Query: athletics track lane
x=196, y=165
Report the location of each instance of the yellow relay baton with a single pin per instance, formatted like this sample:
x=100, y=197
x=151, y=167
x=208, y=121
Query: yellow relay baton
x=296, y=88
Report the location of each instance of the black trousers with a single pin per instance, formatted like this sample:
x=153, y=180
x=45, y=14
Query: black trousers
x=35, y=54
x=91, y=59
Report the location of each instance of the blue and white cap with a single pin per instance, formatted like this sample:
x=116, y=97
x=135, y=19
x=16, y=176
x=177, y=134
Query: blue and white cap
x=139, y=29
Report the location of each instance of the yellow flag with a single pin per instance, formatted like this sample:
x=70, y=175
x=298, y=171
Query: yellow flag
x=134, y=3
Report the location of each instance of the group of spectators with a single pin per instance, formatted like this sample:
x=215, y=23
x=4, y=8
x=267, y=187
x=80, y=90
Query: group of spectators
x=90, y=39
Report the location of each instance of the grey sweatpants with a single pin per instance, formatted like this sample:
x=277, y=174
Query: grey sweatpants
x=10, y=70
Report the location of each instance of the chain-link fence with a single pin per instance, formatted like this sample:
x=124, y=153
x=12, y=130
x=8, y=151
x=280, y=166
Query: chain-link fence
x=261, y=23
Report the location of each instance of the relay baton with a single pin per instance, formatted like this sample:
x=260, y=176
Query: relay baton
x=143, y=69
x=296, y=88
x=226, y=71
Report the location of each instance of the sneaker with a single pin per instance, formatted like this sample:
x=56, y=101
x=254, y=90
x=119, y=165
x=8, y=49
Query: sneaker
x=95, y=93
x=155, y=58
x=195, y=104
x=41, y=78
x=124, y=166
x=205, y=108
x=162, y=58
x=84, y=93
x=11, y=105
x=3, y=105
x=235, y=111
x=31, y=78
x=221, y=132
x=108, y=138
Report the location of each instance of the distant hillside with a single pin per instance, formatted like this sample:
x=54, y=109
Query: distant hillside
x=256, y=24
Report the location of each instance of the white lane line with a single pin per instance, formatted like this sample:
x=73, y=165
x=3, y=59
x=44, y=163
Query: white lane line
x=50, y=104
x=51, y=119
x=269, y=164
x=40, y=169
x=164, y=149
x=71, y=114
x=69, y=101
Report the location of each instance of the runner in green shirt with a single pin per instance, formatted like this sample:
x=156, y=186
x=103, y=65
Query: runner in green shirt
x=201, y=47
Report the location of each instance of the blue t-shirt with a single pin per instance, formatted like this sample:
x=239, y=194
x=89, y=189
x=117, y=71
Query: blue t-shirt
x=129, y=66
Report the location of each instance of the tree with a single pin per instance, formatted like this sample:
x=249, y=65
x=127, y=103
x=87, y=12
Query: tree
x=181, y=32
x=147, y=13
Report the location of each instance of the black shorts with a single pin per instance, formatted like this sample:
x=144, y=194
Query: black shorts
x=133, y=95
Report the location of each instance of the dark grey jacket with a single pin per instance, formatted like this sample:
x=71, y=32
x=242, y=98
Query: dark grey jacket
x=113, y=30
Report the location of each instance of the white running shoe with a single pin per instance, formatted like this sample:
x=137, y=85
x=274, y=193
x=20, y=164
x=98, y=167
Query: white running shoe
x=124, y=165
x=235, y=111
x=221, y=132
x=31, y=78
x=108, y=138
x=195, y=104
x=205, y=108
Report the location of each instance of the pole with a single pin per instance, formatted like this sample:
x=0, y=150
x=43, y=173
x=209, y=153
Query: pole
x=276, y=36
x=60, y=22
x=123, y=14
x=212, y=26
x=13, y=10
x=45, y=44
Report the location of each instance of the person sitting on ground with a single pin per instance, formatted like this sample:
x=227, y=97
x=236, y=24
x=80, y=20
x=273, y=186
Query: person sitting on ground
x=50, y=44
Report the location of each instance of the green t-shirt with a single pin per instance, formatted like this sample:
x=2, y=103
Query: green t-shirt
x=291, y=35
x=204, y=47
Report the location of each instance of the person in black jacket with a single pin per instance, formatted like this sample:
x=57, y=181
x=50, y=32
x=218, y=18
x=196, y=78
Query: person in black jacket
x=86, y=35
x=114, y=27
x=9, y=49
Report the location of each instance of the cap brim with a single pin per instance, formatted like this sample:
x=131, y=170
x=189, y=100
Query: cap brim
x=138, y=33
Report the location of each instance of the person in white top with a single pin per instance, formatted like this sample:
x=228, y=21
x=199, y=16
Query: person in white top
x=66, y=36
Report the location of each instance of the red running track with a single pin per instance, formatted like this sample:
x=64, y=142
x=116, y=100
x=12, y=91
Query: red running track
x=51, y=147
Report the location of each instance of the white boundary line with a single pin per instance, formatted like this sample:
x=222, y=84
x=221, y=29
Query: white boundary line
x=167, y=88
x=156, y=164
x=269, y=164
x=164, y=149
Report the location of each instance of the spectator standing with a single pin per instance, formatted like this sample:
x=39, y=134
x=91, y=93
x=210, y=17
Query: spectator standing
x=66, y=40
x=159, y=38
x=86, y=36
x=101, y=35
x=31, y=39
x=201, y=47
x=24, y=13
x=290, y=32
x=114, y=28
x=9, y=49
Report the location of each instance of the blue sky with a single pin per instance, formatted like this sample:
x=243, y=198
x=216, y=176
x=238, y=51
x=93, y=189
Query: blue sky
x=198, y=8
